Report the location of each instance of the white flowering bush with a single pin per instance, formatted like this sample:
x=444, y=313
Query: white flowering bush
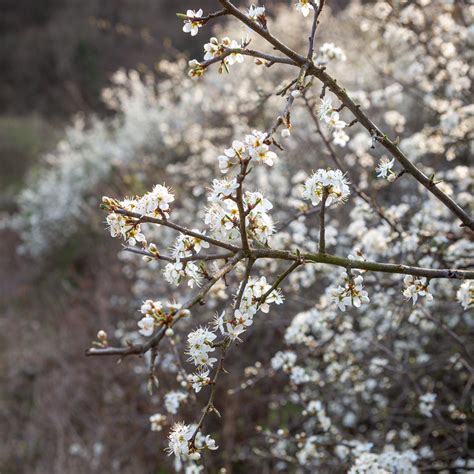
x=331, y=254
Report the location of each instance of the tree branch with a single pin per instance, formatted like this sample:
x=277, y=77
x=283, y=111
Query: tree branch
x=183, y=230
x=192, y=258
x=365, y=265
x=139, y=349
x=317, y=12
x=331, y=84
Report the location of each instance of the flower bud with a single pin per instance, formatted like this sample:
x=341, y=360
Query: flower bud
x=195, y=456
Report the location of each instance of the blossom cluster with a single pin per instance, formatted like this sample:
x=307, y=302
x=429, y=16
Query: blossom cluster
x=331, y=182
x=223, y=216
x=426, y=404
x=200, y=345
x=254, y=148
x=157, y=420
x=185, y=247
x=328, y=52
x=415, y=287
x=465, y=294
x=315, y=407
x=179, y=442
x=155, y=314
x=173, y=400
x=216, y=49
x=330, y=116
x=256, y=296
x=155, y=203
x=350, y=293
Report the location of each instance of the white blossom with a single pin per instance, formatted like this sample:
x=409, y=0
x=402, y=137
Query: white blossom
x=328, y=52
x=304, y=6
x=146, y=325
x=193, y=23
x=415, y=287
x=350, y=293
x=384, y=168
x=157, y=421
x=178, y=440
x=256, y=13
x=200, y=346
x=199, y=380
x=333, y=181
x=465, y=294
x=173, y=400
x=426, y=404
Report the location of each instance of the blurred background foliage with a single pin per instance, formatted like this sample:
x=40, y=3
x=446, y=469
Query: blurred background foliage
x=56, y=56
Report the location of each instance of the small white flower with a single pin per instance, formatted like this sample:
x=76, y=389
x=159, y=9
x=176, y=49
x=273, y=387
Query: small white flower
x=235, y=331
x=304, y=6
x=351, y=293
x=465, y=294
x=340, y=138
x=334, y=122
x=199, y=380
x=329, y=51
x=384, y=168
x=222, y=189
x=178, y=440
x=193, y=23
x=231, y=156
x=157, y=421
x=426, y=404
x=146, y=325
x=256, y=13
x=324, y=108
x=262, y=154
x=415, y=287
x=173, y=399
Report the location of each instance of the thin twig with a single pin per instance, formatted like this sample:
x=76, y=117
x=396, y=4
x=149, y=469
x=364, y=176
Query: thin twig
x=240, y=206
x=322, y=224
x=280, y=278
x=317, y=11
x=192, y=258
x=172, y=225
x=220, y=367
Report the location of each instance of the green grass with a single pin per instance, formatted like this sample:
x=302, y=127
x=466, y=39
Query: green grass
x=22, y=141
